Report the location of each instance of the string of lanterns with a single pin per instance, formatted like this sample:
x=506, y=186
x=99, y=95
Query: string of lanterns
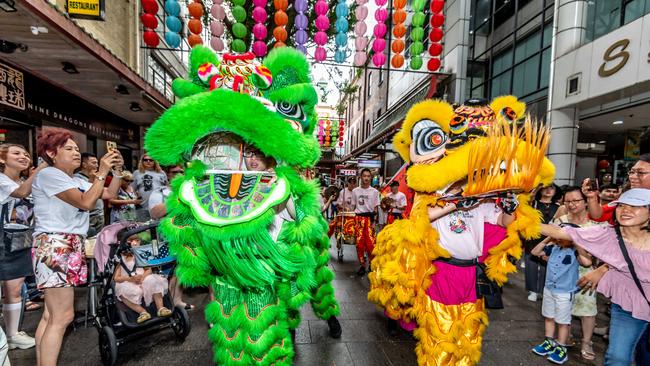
x=239, y=34
x=330, y=133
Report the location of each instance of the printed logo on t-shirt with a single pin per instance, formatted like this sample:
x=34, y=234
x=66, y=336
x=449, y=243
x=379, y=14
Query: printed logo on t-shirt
x=147, y=181
x=362, y=199
x=456, y=223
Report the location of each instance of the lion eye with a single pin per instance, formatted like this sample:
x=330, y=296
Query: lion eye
x=428, y=137
x=288, y=110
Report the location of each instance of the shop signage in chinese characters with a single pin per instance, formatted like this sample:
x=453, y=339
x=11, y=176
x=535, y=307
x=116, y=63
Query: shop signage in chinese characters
x=12, y=87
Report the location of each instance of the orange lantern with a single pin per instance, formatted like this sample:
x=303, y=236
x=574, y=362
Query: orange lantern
x=195, y=10
x=281, y=18
x=195, y=26
x=281, y=4
x=280, y=34
x=399, y=16
x=397, y=61
x=397, y=46
x=194, y=39
x=399, y=30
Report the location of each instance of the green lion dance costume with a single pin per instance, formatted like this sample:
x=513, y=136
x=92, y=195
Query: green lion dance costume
x=242, y=219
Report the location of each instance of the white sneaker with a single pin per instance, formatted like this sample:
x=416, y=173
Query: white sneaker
x=522, y=265
x=532, y=296
x=21, y=340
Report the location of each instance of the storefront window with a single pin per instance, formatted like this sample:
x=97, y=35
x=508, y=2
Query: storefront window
x=604, y=16
x=160, y=78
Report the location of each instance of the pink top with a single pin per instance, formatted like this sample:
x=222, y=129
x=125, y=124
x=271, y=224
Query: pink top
x=617, y=283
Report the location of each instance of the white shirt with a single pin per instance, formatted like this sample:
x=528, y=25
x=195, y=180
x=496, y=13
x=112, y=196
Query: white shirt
x=157, y=197
x=399, y=200
x=367, y=199
x=51, y=213
x=461, y=231
x=147, y=182
x=345, y=202
x=7, y=187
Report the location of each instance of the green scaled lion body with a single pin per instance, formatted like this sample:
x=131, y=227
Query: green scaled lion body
x=259, y=283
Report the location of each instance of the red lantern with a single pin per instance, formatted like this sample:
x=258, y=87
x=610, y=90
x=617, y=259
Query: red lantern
x=151, y=38
x=435, y=49
x=433, y=64
x=437, y=20
x=341, y=144
x=603, y=164
x=150, y=6
x=435, y=35
x=437, y=5
x=195, y=10
x=149, y=21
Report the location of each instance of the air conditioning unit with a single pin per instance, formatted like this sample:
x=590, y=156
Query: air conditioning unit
x=591, y=147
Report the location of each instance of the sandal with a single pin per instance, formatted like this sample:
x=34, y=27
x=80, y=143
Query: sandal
x=164, y=312
x=31, y=306
x=587, y=351
x=144, y=316
x=189, y=306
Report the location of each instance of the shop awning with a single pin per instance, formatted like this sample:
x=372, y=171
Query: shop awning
x=100, y=71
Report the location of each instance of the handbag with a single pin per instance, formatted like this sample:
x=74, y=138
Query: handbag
x=488, y=289
x=14, y=238
x=630, y=265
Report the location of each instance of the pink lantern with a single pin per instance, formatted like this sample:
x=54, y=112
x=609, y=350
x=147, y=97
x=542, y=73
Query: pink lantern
x=259, y=31
x=320, y=38
x=321, y=7
x=217, y=44
x=361, y=43
x=259, y=48
x=361, y=12
x=360, y=58
x=218, y=12
x=380, y=30
x=360, y=29
x=378, y=45
x=381, y=15
x=321, y=54
x=259, y=14
x=379, y=59
x=322, y=22
x=216, y=28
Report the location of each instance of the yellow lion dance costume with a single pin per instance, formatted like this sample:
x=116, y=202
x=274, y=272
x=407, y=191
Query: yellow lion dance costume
x=411, y=258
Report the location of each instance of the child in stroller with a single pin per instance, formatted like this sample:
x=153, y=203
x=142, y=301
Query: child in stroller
x=132, y=285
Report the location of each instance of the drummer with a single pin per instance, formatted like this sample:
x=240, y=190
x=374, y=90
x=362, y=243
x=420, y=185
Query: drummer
x=346, y=201
x=398, y=200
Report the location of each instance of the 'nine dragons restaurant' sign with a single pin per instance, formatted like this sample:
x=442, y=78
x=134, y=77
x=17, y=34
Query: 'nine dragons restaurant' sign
x=12, y=87
x=34, y=101
x=86, y=9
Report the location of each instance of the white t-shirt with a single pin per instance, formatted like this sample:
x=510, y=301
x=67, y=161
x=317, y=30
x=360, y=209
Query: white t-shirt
x=7, y=187
x=147, y=182
x=52, y=214
x=399, y=199
x=461, y=231
x=345, y=202
x=367, y=199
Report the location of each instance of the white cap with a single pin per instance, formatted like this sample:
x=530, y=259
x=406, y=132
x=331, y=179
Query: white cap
x=634, y=197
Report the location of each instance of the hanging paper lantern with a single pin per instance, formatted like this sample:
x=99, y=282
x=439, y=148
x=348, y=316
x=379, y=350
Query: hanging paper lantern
x=437, y=20
x=399, y=31
x=194, y=24
x=341, y=38
x=149, y=6
x=259, y=29
x=301, y=24
x=280, y=19
x=417, y=34
x=379, y=31
x=322, y=24
x=149, y=21
x=238, y=29
x=151, y=38
x=172, y=39
x=361, y=41
x=217, y=27
x=173, y=23
x=172, y=7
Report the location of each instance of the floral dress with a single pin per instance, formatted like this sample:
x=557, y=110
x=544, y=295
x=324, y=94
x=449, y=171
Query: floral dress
x=59, y=260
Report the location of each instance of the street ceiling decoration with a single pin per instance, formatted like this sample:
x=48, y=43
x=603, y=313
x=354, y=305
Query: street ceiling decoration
x=319, y=28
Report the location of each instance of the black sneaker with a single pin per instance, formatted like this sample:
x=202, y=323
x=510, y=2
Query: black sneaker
x=335, y=327
x=361, y=271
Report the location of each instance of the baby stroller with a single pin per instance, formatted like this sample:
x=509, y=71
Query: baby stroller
x=115, y=322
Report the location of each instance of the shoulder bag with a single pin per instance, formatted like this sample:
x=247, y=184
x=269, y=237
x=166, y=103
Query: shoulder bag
x=14, y=239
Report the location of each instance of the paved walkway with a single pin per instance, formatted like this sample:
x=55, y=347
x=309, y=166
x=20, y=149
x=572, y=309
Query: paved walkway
x=508, y=339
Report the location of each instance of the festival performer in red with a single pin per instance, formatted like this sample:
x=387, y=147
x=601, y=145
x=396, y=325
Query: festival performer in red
x=366, y=209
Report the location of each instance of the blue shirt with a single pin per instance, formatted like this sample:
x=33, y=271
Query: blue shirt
x=562, y=270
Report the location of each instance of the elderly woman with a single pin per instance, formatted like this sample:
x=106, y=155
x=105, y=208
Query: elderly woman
x=625, y=247
x=61, y=206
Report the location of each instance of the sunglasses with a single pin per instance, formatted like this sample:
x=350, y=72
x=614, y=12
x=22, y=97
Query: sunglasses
x=127, y=180
x=176, y=172
x=147, y=160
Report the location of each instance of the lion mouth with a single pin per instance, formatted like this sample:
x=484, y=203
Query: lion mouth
x=240, y=183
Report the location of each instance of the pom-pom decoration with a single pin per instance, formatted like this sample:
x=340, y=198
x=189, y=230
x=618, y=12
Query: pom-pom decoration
x=194, y=24
x=259, y=29
x=435, y=35
x=217, y=27
x=301, y=24
x=150, y=23
x=417, y=34
x=280, y=19
x=361, y=42
x=238, y=29
x=341, y=38
x=399, y=31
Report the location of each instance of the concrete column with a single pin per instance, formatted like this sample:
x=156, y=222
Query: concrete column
x=569, y=30
x=563, y=144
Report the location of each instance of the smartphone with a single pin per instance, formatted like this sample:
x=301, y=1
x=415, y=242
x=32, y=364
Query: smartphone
x=593, y=184
x=111, y=145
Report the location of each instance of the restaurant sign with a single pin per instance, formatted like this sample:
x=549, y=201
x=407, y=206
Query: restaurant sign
x=12, y=87
x=86, y=9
